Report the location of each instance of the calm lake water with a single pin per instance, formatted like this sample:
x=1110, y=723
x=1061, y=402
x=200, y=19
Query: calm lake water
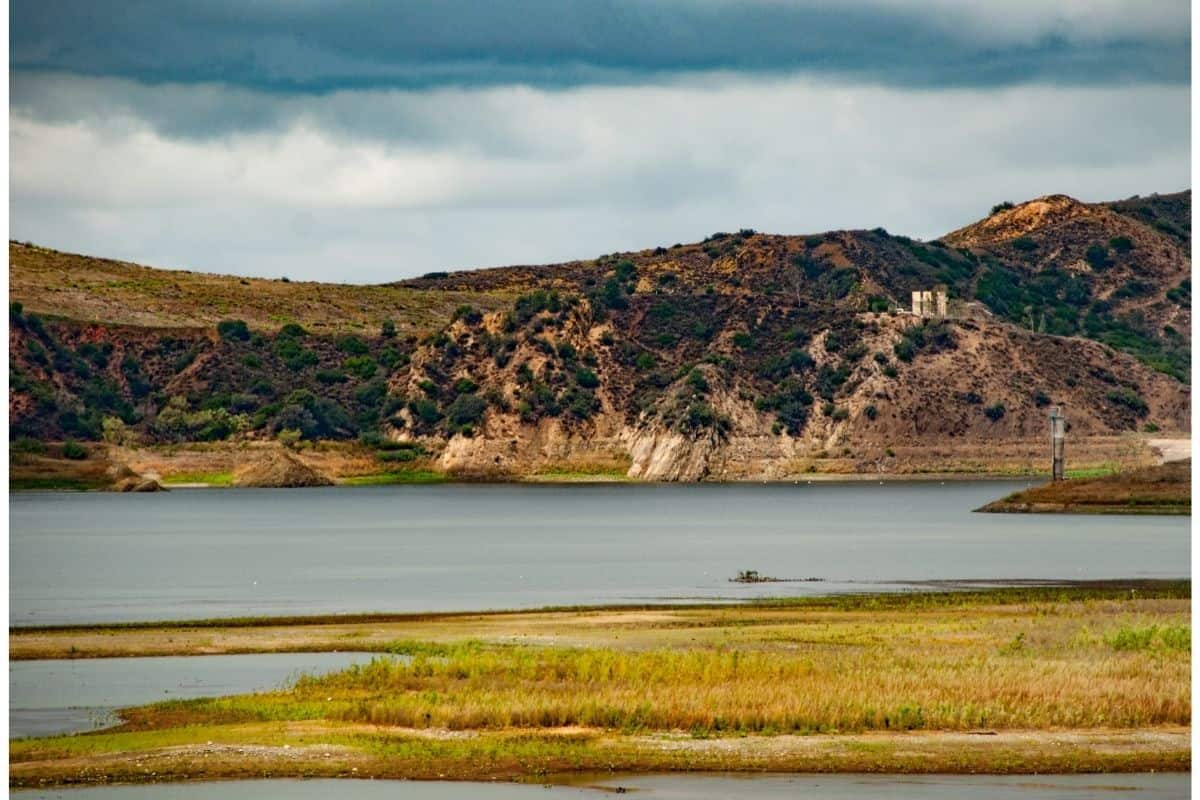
x=664, y=787
x=92, y=557
x=64, y=696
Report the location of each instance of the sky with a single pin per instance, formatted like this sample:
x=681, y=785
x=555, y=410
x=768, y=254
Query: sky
x=366, y=141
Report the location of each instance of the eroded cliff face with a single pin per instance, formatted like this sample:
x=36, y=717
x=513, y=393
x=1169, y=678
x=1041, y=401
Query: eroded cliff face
x=956, y=396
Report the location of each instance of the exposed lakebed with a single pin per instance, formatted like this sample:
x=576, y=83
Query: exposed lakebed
x=92, y=557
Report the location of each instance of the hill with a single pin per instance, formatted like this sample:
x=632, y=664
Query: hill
x=746, y=355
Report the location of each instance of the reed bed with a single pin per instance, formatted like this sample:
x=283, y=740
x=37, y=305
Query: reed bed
x=1051, y=675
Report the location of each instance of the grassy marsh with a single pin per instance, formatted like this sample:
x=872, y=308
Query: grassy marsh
x=884, y=683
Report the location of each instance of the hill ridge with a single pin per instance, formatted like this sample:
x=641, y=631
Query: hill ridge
x=742, y=355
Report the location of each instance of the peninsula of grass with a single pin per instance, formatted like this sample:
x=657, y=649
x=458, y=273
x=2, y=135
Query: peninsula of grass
x=1066, y=679
x=1164, y=489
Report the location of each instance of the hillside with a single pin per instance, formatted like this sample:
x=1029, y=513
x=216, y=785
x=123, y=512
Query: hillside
x=746, y=355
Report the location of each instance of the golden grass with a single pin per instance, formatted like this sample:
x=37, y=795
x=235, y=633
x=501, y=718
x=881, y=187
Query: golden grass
x=828, y=687
x=1066, y=679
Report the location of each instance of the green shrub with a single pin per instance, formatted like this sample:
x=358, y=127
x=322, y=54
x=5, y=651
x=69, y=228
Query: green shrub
x=36, y=352
x=74, y=451
x=1133, y=638
x=1129, y=399
x=645, y=361
x=292, y=330
x=994, y=412
x=25, y=444
x=425, y=410
x=353, y=345
x=467, y=409
x=398, y=455
x=1004, y=206
x=465, y=386
x=467, y=314
x=1097, y=257
x=871, y=411
x=360, y=366
x=388, y=329
x=1024, y=244
x=391, y=358
x=331, y=376
x=1121, y=244
x=587, y=378
x=233, y=330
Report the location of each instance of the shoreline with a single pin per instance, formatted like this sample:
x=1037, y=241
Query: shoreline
x=352, y=463
x=386, y=480
x=563, y=758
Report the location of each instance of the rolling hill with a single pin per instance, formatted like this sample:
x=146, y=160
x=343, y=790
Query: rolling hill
x=747, y=355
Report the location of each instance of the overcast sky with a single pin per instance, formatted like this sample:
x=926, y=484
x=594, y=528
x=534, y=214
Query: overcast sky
x=367, y=141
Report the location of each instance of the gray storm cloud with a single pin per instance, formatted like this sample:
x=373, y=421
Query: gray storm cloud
x=320, y=45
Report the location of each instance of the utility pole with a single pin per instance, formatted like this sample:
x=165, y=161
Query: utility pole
x=1058, y=435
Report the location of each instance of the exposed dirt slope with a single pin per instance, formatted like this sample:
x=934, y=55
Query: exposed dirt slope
x=278, y=471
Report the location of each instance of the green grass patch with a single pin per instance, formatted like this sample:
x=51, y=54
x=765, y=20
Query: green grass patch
x=1140, y=638
x=1095, y=471
x=207, y=478
x=396, y=477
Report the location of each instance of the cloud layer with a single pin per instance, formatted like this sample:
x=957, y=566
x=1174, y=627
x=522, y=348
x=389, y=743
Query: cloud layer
x=380, y=184
x=323, y=45
x=372, y=141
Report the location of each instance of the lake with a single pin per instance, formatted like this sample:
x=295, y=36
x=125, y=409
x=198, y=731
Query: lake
x=666, y=787
x=98, y=557
x=66, y=696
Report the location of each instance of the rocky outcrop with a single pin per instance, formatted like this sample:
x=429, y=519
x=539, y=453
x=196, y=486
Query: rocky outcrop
x=125, y=479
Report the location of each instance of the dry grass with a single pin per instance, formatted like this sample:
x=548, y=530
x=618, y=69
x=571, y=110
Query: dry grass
x=87, y=288
x=1164, y=489
x=924, y=674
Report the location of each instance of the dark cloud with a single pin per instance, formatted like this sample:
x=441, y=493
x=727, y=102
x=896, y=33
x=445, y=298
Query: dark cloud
x=322, y=46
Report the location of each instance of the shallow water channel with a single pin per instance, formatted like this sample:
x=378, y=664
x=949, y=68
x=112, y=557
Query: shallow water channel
x=665, y=787
x=67, y=696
